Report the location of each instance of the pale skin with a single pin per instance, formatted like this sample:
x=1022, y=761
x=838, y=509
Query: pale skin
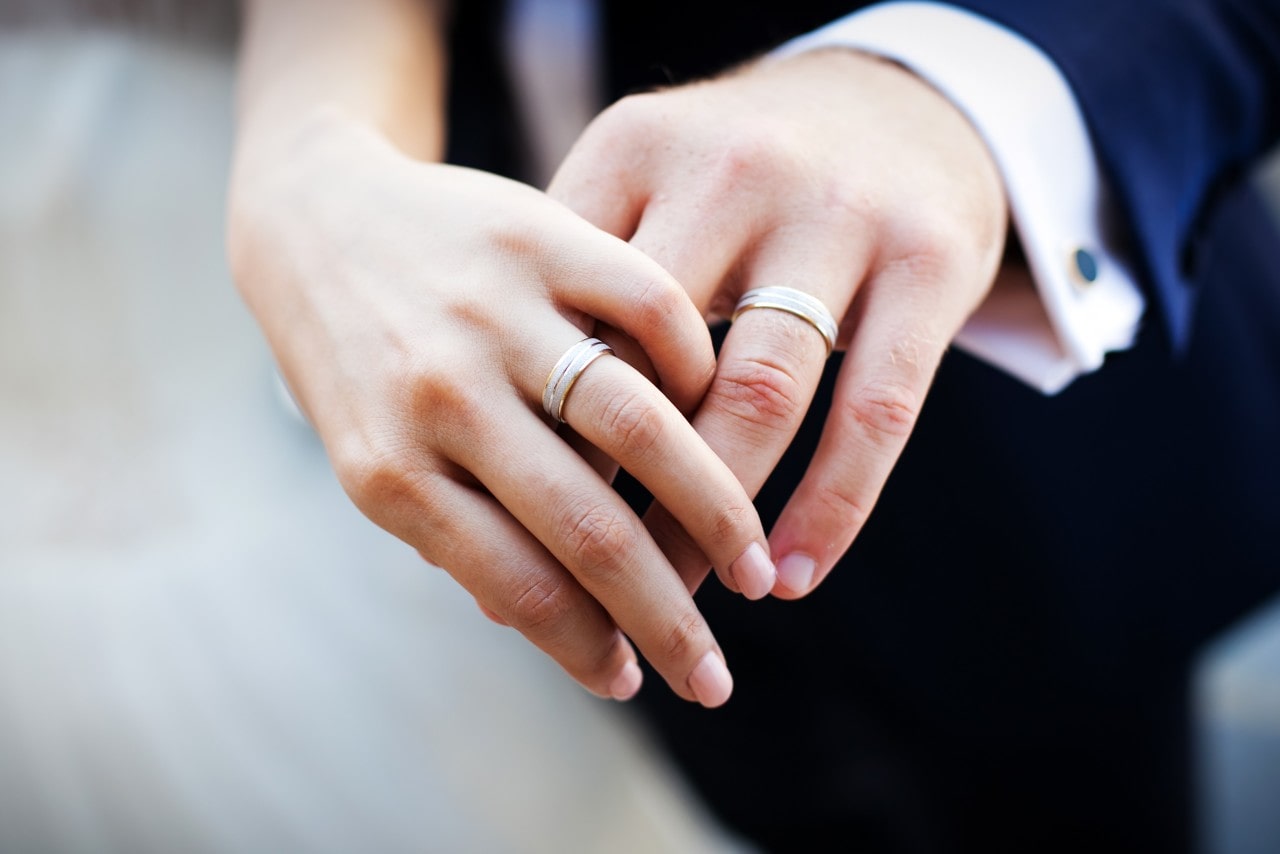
x=415, y=310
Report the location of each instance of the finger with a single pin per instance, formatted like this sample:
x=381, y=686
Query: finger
x=491, y=614
x=600, y=462
x=610, y=176
x=708, y=269
x=628, y=350
x=602, y=188
x=587, y=526
x=769, y=369
x=625, y=348
x=700, y=245
x=770, y=366
x=630, y=422
x=613, y=408
x=513, y=579
x=641, y=300
x=902, y=330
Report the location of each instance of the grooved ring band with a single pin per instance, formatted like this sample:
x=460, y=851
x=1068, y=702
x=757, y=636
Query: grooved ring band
x=566, y=372
x=802, y=305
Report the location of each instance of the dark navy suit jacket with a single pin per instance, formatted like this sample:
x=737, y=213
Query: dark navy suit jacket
x=1014, y=629
x=1181, y=95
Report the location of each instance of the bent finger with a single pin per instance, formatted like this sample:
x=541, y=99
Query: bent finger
x=642, y=301
x=591, y=531
x=700, y=245
x=516, y=582
x=614, y=409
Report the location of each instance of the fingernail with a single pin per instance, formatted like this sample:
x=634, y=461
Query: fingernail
x=710, y=681
x=754, y=572
x=795, y=571
x=627, y=683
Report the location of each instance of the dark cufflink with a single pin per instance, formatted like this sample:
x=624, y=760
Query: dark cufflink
x=1083, y=266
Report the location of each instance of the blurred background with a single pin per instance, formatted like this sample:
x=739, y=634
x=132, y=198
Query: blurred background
x=203, y=645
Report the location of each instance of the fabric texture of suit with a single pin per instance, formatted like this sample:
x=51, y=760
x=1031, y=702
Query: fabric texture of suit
x=1013, y=629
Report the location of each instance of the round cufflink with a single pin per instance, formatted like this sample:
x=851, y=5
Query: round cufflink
x=1083, y=266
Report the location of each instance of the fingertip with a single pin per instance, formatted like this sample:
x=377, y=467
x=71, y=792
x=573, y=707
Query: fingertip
x=753, y=572
x=796, y=572
x=626, y=680
x=627, y=683
x=726, y=578
x=710, y=681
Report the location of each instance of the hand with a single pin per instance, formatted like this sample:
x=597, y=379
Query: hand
x=835, y=173
x=415, y=311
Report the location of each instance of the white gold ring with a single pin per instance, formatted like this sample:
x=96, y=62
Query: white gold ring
x=802, y=305
x=566, y=372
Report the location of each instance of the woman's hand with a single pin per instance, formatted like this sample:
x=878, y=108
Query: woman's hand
x=416, y=311
x=833, y=173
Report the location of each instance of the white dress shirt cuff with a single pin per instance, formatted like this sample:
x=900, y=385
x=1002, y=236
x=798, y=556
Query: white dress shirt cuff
x=1088, y=303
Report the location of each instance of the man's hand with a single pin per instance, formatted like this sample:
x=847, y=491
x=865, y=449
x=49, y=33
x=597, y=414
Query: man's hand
x=834, y=173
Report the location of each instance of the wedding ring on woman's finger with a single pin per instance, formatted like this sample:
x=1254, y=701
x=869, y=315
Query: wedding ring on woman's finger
x=566, y=372
x=802, y=305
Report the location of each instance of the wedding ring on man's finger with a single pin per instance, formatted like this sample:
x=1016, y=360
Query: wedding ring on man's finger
x=566, y=372
x=802, y=305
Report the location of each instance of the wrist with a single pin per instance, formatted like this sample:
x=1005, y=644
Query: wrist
x=266, y=152
x=278, y=173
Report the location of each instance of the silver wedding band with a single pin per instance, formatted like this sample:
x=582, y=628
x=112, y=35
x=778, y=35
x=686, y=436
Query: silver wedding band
x=802, y=305
x=566, y=372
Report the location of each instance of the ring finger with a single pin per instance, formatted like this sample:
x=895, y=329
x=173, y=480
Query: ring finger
x=767, y=374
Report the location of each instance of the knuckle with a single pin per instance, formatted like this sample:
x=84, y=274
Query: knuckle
x=681, y=639
x=635, y=424
x=436, y=396
x=847, y=511
x=622, y=119
x=378, y=480
x=846, y=204
x=962, y=217
x=514, y=240
x=628, y=107
x=887, y=411
x=542, y=606
x=657, y=303
x=931, y=250
x=730, y=523
x=598, y=540
x=755, y=152
x=759, y=393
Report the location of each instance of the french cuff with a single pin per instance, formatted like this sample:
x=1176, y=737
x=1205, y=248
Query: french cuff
x=1079, y=301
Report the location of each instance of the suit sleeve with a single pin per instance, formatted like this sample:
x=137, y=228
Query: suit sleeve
x=1049, y=320
x=1181, y=98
